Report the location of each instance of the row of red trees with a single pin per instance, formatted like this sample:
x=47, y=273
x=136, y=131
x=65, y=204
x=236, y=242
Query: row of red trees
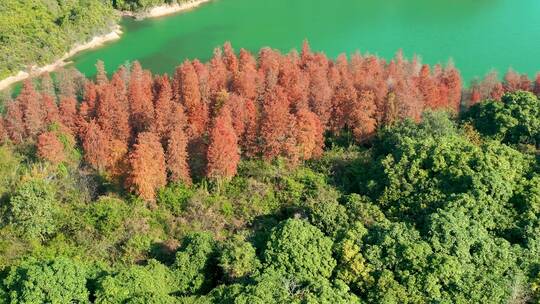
x=147, y=130
x=492, y=88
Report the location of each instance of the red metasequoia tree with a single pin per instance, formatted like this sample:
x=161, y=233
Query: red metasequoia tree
x=497, y=91
x=14, y=122
x=218, y=74
x=428, y=88
x=51, y=109
x=33, y=112
x=249, y=142
x=189, y=95
x=245, y=82
x=147, y=166
x=223, y=154
x=275, y=123
x=512, y=81
x=68, y=114
x=343, y=96
x=309, y=135
x=50, y=148
x=320, y=92
x=140, y=99
x=96, y=147
x=113, y=114
x=361, y=119
x=3, y=132
x=177, y=156
x=164, y=107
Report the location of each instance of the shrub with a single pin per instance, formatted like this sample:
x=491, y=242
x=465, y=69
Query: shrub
x=297, y=248
x=60, y=280
x=32, y=209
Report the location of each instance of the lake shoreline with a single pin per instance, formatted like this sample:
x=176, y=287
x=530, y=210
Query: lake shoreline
x=164, y=10
x=95, y=42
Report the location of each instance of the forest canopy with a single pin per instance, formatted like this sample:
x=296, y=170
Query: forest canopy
x=270, y=179
x=38, y=32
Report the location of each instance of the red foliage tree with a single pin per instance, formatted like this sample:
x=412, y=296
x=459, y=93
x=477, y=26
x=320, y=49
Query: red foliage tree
x=238, y=114
x=14, y=122
x=33, y=111
x=525, y=83
x=361, y=119
x=428, y=88
x=320, y=91
x=96, y=147
x=512, y=81
x=275, y=123
x=452, y=81
x=344, y=95
x=309, y=135
x=190, y=97
x=164, y=122
x=50, y=148
x=87, y=109
x=476, y=97
x=3, y=132
x=294, y=81
x=47, y=85
x=223, y=154
x=112, y=114
x=51, y=109
x=246, y=80
x=147, y=164
x=140, y=99
x=497, y=91
x=177, y=156
x=249, y=142
x=230, y=59
x=218, y=75
x=68, y=114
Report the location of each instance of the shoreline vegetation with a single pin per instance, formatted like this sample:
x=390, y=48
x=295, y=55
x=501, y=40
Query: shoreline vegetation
x=33, y=71
x=164, y=10
x=100, y=40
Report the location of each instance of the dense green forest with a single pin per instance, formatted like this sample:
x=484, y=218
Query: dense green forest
x=411, y=197
x=38, y=32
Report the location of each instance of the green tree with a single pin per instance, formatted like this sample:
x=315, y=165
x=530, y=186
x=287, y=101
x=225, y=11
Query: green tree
x=33, y=208
x=57, y=281
x=153, y=281
x=514, y=120
x=299, y=250
x=238, y=258
x=195, y=263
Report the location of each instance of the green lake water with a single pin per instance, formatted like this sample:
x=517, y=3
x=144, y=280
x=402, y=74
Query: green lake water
x=479, y=35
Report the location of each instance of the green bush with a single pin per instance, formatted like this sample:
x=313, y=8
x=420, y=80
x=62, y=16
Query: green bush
x=107, y=214
x=174, y=197
x=513, y=120
x=129, y=285
x=60, y=280
x=33, y=208
x=298, y=249
x=195, y=264
x=238, y=258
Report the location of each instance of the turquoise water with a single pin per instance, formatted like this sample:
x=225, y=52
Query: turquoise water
x=479, y=35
